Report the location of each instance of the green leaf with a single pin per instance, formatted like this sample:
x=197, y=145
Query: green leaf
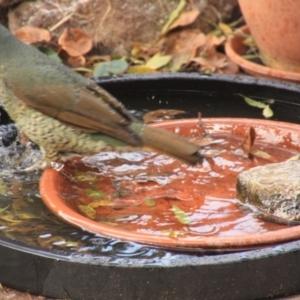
x=108, y=68
x=150, y=202
x=181, y=215
x=174, y=15
x=157, y=61
x=95, y=194
x=268, y=112
x=254, y=103
x=51, y=53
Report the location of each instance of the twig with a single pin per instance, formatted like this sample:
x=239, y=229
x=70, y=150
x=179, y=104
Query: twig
x=63, y=20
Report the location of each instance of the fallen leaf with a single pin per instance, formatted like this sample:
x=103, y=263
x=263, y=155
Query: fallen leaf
x=216, y=62
x=226, y=29
x=267, y=111
x=141, y=69
x=185, y=18
x=117, y=66
x=161, y=114
x=174, y=15
x=182, y=46
x=253, y=102
x=75, y=42
x=213, y=41
x=158, y=61
x=249, y=41
x=32, y=35
x=76, y=62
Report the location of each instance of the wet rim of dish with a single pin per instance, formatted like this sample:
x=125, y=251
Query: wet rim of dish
x=51, y=181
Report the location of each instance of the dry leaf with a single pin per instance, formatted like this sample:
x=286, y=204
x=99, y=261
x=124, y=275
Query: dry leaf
x=75, y=62
x=186, y=18
x=183, y=46
x=75, y=42
x=141, y=69
x=226, y=29
x=262, y=154
x=212, y=41
x=216, y=62
x=249, y=141
x=32, y=35
x=174, y=15
x=158, y=61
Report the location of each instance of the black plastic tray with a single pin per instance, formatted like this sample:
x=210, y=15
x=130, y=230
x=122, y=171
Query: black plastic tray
x=255, y=274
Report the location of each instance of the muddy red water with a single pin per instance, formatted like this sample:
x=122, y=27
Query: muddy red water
x=149, y=192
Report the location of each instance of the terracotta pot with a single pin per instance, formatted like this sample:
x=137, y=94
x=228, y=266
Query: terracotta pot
x=54, y=185
x=275, y=26
x=235, y=49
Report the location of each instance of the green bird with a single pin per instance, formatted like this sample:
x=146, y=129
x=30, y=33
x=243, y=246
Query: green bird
x=66, y=114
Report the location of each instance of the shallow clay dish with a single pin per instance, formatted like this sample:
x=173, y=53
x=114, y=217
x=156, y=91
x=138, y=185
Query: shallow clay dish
x=235, y=49
x=280, y=134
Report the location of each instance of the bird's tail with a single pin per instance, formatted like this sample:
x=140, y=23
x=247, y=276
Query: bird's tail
x=167, y=142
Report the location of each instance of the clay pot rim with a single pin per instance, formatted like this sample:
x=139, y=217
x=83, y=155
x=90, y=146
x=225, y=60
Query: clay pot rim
x=234, y=49
x=50, y=195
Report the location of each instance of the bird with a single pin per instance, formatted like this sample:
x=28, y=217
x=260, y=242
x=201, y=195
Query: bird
x=67, y=114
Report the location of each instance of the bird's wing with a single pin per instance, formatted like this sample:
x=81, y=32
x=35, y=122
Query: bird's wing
x=76, y=101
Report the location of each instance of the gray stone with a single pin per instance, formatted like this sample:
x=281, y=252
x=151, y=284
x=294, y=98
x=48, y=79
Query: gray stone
x=273, y=189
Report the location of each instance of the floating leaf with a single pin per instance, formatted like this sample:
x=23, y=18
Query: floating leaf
x=181, y=215
x=295, y=157
x=10, y=218
x=254, y=103
x=174, y=15
x=157, y=61
x=108, y=68
x=88, y=211
x=173, y=233
x=262, y=154
x=105, y=202
x=150, y=202
x=268, y=112
x=81, y=176
x=249, y=141
x=95, y=194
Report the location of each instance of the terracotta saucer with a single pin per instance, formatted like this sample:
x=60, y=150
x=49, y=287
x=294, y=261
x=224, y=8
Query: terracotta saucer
x=235, y=49
x=286, y=135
